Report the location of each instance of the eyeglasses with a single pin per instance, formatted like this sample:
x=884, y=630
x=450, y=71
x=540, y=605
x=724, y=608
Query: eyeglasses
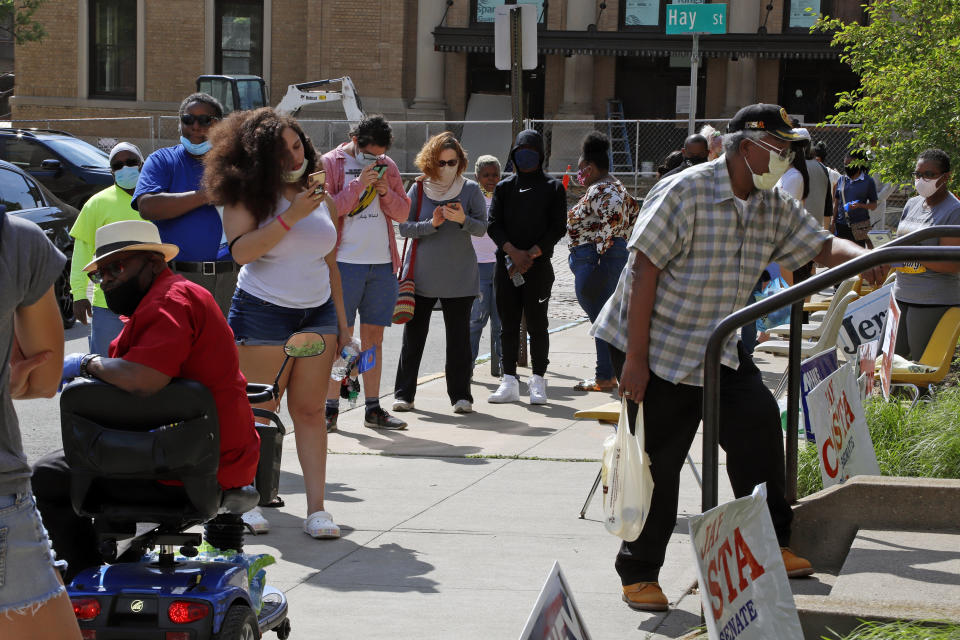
x=926, y=175
x=113, y=269
x=448, y=163
x=129, y=162
x=785, y=155
x=203, y=120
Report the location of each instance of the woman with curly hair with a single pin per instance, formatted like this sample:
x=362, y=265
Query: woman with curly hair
x=446, y=209
x=282, y=231
x=598, y=226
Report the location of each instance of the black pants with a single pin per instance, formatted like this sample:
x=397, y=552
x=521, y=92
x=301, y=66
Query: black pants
x=750, y=434
x=459, y=366
x=73, y=536
x=529, y=299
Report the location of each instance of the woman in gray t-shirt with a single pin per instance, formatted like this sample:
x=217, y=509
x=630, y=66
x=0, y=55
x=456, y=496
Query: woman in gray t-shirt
x=925, y=290
x=445, y=211
x=33, y=602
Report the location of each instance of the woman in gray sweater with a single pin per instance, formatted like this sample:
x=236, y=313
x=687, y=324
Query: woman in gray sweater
x=446, y=209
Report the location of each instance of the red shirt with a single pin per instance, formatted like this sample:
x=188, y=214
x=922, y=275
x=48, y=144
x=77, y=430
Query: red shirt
x=178, y=330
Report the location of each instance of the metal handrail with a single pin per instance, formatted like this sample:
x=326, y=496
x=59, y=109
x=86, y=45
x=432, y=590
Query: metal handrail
x=899, y=250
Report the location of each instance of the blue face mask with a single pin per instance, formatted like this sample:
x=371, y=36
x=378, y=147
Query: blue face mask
x=195, y=149
x=126, y=178
x=526, y=159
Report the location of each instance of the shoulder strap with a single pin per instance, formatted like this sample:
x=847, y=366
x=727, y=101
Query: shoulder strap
x=413, y=217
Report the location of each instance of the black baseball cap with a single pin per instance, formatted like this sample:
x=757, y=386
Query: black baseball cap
x=769, y=118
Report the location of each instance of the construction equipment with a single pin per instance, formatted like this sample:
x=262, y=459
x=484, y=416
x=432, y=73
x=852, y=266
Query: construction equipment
x=244, y=92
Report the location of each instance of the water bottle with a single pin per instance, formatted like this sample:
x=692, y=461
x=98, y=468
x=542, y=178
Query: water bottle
x=346, y=361
x=516, y=277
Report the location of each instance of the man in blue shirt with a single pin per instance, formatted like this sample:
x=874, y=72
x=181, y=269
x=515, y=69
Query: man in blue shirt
x=169, y=194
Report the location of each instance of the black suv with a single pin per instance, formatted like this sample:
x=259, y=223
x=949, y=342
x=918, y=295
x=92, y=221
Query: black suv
x=24, y=197
x=72, y=169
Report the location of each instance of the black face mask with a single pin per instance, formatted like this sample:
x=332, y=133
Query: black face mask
x=851, y=171
x=696, y=160
x=124, y=298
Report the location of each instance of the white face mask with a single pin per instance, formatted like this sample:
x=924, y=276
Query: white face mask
x=776, y=168
x=447, y=174
x=296, y=174
x=926, y=187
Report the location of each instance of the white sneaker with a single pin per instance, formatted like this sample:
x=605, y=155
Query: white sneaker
x=320, y=524
x=508, y=391
x=462, y=406
x=402, y=405
x=255, y=521
x=538, y=389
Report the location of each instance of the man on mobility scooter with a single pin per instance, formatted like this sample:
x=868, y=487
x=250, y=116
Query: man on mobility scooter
x=173, y=329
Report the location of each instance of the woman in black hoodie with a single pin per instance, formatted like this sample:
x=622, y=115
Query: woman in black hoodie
x=528, y=216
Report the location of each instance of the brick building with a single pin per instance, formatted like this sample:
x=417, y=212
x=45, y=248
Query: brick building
x=423, y=59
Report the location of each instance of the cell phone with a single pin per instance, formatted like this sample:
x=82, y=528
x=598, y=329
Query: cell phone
x=380, y=169
x=318, y=179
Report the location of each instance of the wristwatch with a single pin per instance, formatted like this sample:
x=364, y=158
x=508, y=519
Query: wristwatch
x=87, y=359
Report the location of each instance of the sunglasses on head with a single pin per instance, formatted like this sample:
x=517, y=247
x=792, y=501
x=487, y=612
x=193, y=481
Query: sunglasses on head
x=203, y=120
x=114, y=270
x=448, y=163
x=116, y=165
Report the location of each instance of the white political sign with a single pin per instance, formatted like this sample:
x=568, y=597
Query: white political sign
x=555, y=614
x=889, y=346
x=863, y=320
x=843, y=439
x=743, y=584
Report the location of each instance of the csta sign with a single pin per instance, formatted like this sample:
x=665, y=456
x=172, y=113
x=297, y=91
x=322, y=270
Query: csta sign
x=733, y=561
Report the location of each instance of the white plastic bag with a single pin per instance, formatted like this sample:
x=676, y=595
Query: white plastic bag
x=627, y=482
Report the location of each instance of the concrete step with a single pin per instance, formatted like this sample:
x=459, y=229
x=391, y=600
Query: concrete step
x=886, y=575
x=897, y=568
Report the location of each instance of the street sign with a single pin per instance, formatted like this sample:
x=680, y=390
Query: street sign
x=687, y=19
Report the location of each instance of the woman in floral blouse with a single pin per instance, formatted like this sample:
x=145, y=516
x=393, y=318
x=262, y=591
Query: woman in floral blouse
x=599, y=225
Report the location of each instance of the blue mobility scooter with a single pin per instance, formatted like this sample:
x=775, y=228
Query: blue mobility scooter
x=111, y=437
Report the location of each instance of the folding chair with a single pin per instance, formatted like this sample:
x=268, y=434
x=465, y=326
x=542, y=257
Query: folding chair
x=610, y=413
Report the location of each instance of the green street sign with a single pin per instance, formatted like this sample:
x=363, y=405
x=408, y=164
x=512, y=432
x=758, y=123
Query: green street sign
x=687, y=19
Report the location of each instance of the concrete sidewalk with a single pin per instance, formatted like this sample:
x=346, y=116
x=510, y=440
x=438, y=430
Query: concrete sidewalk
x=450, y=527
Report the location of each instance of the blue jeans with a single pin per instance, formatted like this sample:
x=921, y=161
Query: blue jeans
x=28, y=577
x=104, y=327
x=484, y=308
x=595, y=279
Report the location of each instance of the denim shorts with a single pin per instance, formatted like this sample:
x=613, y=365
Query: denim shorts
x=370, y=289
x=28, y=577
x=257, y=322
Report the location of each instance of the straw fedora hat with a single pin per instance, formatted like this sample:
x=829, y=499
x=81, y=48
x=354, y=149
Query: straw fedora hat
x=130, y=235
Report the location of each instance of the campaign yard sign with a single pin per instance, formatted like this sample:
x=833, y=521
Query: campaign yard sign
x=555, y=614
x=863, y=320
x=743, y=583
x=813, y=371
x=889, y=345
x=843, y=440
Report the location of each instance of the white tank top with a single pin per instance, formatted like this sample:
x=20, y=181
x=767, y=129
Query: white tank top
x=293, y=273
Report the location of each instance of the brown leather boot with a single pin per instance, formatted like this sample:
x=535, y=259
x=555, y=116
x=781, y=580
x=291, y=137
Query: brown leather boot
x=796, y=566
x=645, y=596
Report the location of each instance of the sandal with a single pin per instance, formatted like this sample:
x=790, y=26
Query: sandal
x=320, y=525
x=595, y=385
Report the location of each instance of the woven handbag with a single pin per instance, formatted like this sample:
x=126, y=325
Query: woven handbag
x=403, y=309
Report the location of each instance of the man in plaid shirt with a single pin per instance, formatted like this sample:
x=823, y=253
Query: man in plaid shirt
x=703, y=237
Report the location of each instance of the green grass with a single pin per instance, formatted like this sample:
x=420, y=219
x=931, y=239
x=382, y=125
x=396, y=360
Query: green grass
x=924, y=442
x=900, y=630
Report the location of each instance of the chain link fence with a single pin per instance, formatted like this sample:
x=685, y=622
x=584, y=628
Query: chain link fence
x=638, y=146
x=102, y=133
